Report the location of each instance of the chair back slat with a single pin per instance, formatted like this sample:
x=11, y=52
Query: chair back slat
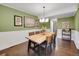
x=37, y=32
x=31, y=33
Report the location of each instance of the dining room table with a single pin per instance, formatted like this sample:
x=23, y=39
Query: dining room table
x=39, y=39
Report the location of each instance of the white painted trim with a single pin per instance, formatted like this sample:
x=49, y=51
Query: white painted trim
x=74, y=36
x=56, y=12
x=66, y=11
x=76, y=40
x=12, y=38
x=8, y=39
x=59, y=33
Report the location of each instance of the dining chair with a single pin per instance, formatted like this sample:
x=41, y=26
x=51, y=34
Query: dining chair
x=47, y=44
x=49, y=40
x=30, y=44
x=37, y=32
x=31, y=33
x=42, y=31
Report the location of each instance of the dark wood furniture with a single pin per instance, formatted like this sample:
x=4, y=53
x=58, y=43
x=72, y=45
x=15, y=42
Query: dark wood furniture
x=38, y=40
x=48, y=43
x=42, y=31
x=66, y=34
x=31, y=43
x=31, y=33
x=37, y=32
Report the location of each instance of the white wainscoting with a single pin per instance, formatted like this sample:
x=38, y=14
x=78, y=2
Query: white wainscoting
x=74, y=36
x=59, y=34
x=76, y=40
x=11, y=38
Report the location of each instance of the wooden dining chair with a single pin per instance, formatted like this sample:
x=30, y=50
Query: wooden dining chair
x=42, y=31
x=49, y=40
x=37, y=32
x=31, y=33
x=30, y=44
x=47, y=44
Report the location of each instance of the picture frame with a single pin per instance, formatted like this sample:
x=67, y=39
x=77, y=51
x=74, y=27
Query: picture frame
x=29, y=22
x=17, y=20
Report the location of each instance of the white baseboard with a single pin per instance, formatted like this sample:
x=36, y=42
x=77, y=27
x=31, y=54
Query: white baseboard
x=11, y=38
x=8, y=39
x=74, y=36
x=76, y=40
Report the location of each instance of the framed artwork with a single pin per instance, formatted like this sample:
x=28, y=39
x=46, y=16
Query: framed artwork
x=65, y=25
x=17, y=20
x=30, y=22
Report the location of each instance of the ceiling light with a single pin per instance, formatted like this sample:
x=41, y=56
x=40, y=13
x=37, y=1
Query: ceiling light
x=43, y=19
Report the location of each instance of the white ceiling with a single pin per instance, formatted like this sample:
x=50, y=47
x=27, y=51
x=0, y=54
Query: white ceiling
x=51, y=9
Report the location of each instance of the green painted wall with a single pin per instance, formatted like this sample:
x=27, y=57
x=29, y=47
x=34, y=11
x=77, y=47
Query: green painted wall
x=7, y=18
x=77, y=20
x=69, y=19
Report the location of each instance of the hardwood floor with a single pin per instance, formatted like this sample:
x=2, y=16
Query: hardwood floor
x=63, y=48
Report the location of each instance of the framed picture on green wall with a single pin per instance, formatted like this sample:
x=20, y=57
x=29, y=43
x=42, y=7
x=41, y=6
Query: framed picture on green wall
x=17, y=20
x=30, y=22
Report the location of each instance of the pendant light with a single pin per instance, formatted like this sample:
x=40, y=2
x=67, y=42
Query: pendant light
x=43, y=19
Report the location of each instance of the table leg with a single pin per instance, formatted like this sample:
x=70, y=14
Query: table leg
x=29, y=44
x=54, y=43
x=39, y=50
x=46, y=48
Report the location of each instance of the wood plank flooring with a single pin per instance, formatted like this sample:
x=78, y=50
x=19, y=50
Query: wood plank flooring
x=63, y=48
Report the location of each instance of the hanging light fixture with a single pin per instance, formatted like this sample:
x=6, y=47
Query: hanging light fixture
x=43, y=19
